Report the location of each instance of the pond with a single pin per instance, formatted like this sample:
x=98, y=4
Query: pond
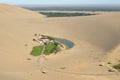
x=68, y=43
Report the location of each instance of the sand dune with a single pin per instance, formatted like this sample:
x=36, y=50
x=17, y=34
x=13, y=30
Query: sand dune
x=96, y=39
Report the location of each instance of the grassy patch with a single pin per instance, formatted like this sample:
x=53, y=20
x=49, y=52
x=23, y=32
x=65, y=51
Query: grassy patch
x=57, y=14
x=117, y=67
x=37, y=50
x=49, y=48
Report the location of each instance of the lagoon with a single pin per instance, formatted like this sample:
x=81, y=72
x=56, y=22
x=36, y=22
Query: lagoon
x=68, y=43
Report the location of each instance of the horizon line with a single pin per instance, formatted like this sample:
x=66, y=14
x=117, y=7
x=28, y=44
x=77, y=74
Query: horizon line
x=65, y=5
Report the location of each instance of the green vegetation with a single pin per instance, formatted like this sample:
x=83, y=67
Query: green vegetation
x=51, y=38
x=117, y=67
x=49, y=48
x=57, y=14
x=37, y=50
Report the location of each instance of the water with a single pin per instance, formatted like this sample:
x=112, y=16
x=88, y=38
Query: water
x=68, y=43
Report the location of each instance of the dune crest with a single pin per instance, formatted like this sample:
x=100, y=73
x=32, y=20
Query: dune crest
x=17, y=11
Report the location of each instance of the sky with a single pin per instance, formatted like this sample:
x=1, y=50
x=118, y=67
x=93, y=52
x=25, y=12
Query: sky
x=61, y=2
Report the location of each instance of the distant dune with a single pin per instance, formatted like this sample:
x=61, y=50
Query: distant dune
x=16, y=11
x=96, y=38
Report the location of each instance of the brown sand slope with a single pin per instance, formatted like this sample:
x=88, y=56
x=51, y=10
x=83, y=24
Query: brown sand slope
x=13, y=11
x=94, y=37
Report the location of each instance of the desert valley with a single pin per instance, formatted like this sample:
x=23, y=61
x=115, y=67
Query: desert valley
x=96, y=47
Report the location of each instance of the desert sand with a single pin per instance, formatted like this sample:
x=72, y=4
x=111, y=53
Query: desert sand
x=96, y=38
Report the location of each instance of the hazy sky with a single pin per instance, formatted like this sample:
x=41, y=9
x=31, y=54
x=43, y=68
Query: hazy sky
x=49, y=2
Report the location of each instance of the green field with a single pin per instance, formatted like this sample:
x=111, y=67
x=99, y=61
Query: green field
x=58, y=14
x=49, y=48
x=36, y=51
